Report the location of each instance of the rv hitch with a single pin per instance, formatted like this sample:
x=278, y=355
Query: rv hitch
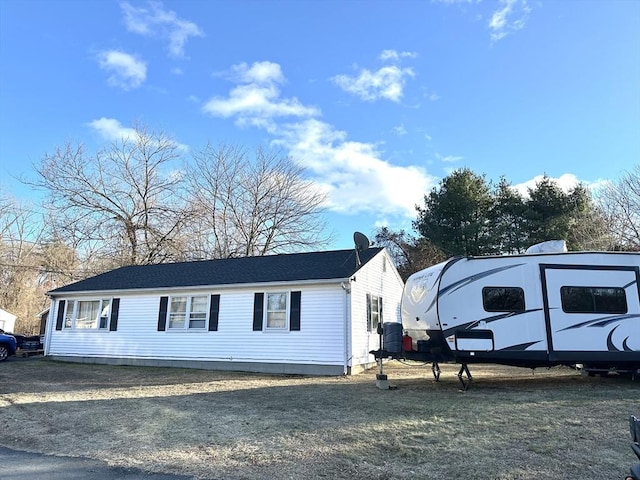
x=465, y=369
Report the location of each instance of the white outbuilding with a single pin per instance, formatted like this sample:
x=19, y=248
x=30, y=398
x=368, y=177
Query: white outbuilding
x=7, y=321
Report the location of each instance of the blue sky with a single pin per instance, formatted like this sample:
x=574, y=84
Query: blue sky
x=378, y=99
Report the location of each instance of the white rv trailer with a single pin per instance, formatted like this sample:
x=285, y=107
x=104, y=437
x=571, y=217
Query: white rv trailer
x=528, y=310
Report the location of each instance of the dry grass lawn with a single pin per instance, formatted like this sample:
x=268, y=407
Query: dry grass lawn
x=511, y=424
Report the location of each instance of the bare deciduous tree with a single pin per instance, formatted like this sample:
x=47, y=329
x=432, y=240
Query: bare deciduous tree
x=620, y=204
x=21, y=276
x=252, y=206
x=122, y=203
x=127, y=204
x=410, y=254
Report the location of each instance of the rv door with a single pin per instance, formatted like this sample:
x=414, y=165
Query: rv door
x=591, y=309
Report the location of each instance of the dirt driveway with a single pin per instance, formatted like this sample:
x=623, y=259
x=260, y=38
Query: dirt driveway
x=220, y=425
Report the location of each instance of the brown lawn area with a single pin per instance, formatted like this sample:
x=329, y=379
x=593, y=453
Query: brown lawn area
x=511, y=424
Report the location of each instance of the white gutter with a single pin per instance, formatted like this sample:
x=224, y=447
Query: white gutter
x=190, y=288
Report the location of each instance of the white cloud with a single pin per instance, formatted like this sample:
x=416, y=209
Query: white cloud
x=448, y=158
x=510, y=17
x=597, y=187
x=399, y=130
x=387, y=82
x=259, y=72
x=566, y=182
x=156, y=21
x=256, y=101
x=393, y=55
x=452, y=2
x=354, y=174
x=111, y=129
x=126, y=71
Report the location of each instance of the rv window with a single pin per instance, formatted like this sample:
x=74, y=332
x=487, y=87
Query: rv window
x=593, y=300
x=503, y=299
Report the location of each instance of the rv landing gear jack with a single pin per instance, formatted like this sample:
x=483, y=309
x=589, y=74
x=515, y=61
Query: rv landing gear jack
x=435, y=368
x=464, y=369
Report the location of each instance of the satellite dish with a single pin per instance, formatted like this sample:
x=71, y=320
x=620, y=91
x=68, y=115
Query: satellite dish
x=361, y=241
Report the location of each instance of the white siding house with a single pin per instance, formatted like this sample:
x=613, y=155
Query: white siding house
x=7, y=321
x=310, y=313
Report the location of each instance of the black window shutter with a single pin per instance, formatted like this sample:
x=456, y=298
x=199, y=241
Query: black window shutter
x=214, y=312
x=115, y=307
x=60, y=317
x=369, y=322
x=162, y=316
x=258, y=307
x=294, y=320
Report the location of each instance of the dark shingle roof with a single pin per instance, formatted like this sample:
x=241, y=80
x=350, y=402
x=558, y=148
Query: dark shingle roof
x=335, y=264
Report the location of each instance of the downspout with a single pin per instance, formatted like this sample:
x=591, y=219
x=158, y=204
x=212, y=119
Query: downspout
x=49, y=326
x=346, y=286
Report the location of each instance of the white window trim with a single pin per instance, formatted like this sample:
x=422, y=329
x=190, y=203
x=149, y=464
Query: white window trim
x=74, y=314
x=186, y=327
x=265, y=314
x=369, y=309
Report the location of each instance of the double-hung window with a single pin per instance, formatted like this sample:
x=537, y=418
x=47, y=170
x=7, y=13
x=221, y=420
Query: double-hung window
x=374, y=312
x=276, y=310
x=188, y=312
x=87, y=314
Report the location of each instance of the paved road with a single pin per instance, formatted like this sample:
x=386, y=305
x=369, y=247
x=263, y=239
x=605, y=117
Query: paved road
x=18, y=465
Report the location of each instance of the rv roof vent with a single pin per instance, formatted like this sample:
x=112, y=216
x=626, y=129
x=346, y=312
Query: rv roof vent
x=551, y=246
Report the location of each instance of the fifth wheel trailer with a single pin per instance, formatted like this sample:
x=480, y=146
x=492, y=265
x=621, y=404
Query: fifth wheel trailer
x=530, y=310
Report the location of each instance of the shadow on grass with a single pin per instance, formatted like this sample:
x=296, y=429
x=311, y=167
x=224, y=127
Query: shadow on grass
x=507, y=426
x=42, y=375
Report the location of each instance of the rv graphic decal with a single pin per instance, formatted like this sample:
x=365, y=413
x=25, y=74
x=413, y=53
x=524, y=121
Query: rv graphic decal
x=611, y=346
x=473, y=278
x=602, y=321
x=625, y=346
x=494, y=318
x=516, y=348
